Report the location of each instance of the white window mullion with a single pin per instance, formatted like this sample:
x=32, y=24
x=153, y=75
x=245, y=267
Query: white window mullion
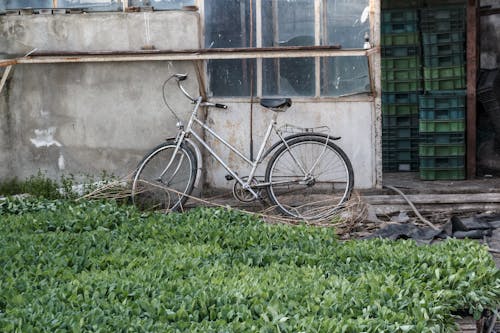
x=258, y=42
x=317, y=42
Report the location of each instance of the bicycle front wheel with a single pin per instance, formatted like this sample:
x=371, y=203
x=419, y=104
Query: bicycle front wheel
x=164, y=177
x=309, y=178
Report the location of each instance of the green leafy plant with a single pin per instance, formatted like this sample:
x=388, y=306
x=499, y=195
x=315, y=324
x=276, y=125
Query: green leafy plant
x=100, y=267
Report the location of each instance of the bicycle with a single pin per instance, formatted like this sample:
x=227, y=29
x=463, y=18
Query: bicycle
x=307, y=176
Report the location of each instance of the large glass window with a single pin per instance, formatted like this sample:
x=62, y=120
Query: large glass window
x=346, y=24
x=228, y=24
x=289, y=23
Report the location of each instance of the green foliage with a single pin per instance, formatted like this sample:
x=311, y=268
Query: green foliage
x=100, y=267
x=38, y=185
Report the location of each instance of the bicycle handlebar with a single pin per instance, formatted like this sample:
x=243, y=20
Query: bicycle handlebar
x=183, y=77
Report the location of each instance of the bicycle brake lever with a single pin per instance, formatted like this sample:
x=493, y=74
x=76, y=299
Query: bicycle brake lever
x=181, y=77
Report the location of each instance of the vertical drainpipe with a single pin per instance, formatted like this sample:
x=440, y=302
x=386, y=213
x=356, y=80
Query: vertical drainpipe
x=375, y=77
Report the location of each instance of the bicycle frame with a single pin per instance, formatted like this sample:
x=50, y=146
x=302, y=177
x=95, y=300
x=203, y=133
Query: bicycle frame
x=188, y=131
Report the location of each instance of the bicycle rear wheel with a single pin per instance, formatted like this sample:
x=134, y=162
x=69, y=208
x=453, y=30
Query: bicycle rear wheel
x=163, y=180
x=309, y=178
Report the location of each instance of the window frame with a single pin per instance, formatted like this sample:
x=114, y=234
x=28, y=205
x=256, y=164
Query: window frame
x=320, y=32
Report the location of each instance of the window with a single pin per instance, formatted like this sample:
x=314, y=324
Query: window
x=288, y=23
x=228, y=24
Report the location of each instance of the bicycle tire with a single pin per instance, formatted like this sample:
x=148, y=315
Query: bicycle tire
x=319, y=196
x=168, y=192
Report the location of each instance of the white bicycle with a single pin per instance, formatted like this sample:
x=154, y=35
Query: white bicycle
x=307, y=176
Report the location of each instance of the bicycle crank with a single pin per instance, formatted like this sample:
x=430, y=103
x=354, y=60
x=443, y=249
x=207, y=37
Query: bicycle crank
x=243, y=195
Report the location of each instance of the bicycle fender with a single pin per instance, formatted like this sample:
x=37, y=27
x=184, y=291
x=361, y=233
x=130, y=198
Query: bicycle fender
x=199, y=160
x=297, y=135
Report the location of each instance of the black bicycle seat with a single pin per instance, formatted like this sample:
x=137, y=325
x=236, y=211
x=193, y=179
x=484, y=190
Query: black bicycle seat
x=275, y=103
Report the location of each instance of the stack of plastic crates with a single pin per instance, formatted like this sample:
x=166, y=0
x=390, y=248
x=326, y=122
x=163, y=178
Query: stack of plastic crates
x=401, y=84
x=442, y=106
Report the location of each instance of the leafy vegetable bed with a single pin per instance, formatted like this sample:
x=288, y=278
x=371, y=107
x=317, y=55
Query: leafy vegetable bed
x=98, y=267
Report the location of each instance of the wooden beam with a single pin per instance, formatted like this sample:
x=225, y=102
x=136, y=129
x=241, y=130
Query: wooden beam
x=9, y=62
x=4, y=77
x=255, y=53
x=472, y=66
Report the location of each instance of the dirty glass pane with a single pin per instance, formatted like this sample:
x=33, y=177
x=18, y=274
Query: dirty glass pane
x=347, y=23
x=288, y=23
x=227, y=25
x=91, y=5
x=162, y=4
x=343, y=76
x=18, y=4
x=288, y=77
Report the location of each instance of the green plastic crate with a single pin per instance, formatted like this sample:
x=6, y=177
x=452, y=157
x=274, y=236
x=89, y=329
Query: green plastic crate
x=401, y=63
x=442, y=162
x=443, y=49
x=399, y=109
x=442, y=37
x=399, y=27
x=442, y=114
x=400, y=166
x=441, y=150
x=444, y=73
x=443, y=138
x=400, y=51
x=445, y=84
x=403, y=155
x=399, y=15
x=400, y=121
x=451, y=60
x=442, y=26
x=442, y=100
x=400, y=144
x=400, y=98
x=442, y=174
x=400, y=133
x=401, y=74
x=442, y=126
x=410, y=38
x=433, y=14
x=399, y=86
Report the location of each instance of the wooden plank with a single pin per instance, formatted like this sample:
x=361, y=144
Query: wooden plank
x=472, y=66
x=4, y=77
x=434, y=198
x=436, y=208
x=126, y=57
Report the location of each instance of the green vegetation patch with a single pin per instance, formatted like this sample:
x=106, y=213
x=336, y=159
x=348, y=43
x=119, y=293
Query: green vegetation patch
x=100, y=267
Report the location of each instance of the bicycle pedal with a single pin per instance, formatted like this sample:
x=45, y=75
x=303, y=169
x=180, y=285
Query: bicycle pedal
x=229, y=177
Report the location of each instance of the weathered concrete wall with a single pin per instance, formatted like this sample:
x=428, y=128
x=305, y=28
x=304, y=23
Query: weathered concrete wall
x=99, y=32
x=87, y=118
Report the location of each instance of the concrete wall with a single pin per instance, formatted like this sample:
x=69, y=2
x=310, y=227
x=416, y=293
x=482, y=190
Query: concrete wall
x=86, y=118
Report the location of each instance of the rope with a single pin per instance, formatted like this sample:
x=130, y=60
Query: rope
x=429, y=223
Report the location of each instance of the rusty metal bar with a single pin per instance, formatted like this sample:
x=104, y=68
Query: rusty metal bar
x=204, y=54
x=9, y=62
x=472, y=66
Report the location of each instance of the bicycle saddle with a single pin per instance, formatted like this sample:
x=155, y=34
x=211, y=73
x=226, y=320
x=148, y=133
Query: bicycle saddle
x=275, y=103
